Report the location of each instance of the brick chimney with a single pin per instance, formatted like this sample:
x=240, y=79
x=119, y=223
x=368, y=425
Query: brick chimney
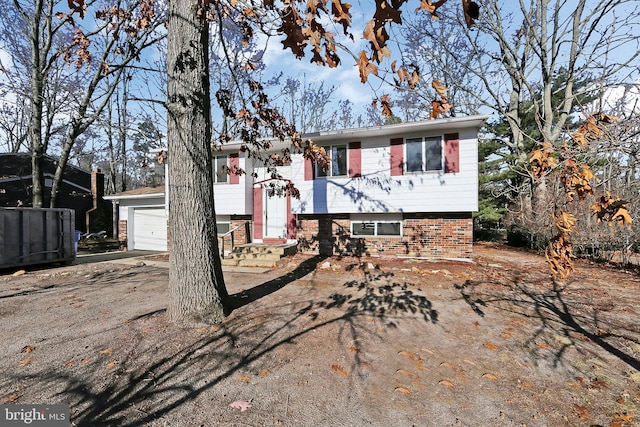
x=97, y=187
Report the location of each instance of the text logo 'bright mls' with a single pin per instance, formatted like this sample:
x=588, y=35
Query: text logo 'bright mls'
x=34, y=415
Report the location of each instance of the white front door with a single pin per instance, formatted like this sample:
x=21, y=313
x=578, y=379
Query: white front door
x=275, y=216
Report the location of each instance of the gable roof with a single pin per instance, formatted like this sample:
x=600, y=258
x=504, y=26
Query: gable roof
x=138, y=193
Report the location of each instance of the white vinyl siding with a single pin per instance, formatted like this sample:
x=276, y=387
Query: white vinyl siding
x=376, y=191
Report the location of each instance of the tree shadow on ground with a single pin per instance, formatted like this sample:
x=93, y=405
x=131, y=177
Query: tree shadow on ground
x=577, y=322
x=156, y=373
x=251, y=295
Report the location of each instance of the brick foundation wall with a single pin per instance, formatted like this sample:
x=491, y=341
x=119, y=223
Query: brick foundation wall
x=430, y=236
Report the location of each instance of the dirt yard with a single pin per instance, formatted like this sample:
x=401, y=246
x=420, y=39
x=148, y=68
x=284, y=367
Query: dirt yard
x=331, y=342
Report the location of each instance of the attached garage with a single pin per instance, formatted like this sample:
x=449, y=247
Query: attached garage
x=149, y=229
x=142, y=218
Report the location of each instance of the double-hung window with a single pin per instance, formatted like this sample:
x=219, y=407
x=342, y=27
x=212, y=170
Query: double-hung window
x=220, y=174
x=423, y=154
x=337, y=161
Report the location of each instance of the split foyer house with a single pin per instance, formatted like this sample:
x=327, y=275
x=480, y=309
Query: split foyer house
x=403, y=190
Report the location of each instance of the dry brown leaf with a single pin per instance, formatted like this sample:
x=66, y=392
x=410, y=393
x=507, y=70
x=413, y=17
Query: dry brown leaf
x=407, y=354
x=449, y=365
x=27, y=349
x=106, y=351
x=426, y=350
x=490, y=376
x=581, y=411
x=403, y=390
x=245, y=378
x=26, y=361
x=339, y=369
x=11, y=398
x=112, y=364
x=69, y=364
x=264, y=373
x=354, y=349
x=624, y=417
x=404, y=372
x=86, y=360
x=440, y=88
x=491, y=347
x=447, y=383
x=19, y=273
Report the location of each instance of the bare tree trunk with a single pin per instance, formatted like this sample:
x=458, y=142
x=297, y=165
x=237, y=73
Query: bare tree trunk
x=197, y=293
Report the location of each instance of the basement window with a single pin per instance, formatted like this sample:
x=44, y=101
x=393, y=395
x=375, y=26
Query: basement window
x=223, y=227
x=376, y=228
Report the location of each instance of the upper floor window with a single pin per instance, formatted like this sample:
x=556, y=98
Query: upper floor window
x=423, y=154
x=220, y=174
x=337, y=161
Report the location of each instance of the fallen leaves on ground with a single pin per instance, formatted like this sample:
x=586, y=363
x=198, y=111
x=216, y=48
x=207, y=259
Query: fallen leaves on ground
x=245, y=378
x=407, y=354
x=491, y=347
x=106, y=351
x=339, y=369
x=12, y=398
x=446, y=383
x=581, y=411
x=27, y=349
x=69, y=364
x=403, y=390
x=112, y=364
x=624, y=417
x=264, y=373
x=26, y=361
x=490, y=376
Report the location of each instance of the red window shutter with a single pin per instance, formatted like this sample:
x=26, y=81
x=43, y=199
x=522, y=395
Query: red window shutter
x=397, y=156
x=257, y=213
x=234, y=165
x=292, y=224
x=355, y=159
x=308, y=169
x=451, y=152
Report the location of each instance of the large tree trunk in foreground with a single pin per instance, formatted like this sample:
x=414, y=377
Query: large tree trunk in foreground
x=197, y=294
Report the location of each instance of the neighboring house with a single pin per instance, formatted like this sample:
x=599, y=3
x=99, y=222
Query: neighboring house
x=79, y=190
x=404, y=190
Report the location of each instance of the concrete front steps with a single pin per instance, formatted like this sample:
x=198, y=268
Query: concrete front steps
x=258, y=254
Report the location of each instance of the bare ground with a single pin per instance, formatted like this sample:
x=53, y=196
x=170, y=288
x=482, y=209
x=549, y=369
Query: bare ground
x=332, y=342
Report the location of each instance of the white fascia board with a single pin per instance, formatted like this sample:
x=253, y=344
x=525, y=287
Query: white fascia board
x=135, y=196
x=452, y=123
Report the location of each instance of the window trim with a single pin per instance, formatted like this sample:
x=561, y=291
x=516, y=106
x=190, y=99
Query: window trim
x=375, y=230
x=328, y=148
x=423, y=140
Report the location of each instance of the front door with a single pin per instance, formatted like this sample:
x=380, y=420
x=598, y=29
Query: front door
x=275, y=216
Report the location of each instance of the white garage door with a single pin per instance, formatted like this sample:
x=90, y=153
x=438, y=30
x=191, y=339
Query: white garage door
x=149, y=229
